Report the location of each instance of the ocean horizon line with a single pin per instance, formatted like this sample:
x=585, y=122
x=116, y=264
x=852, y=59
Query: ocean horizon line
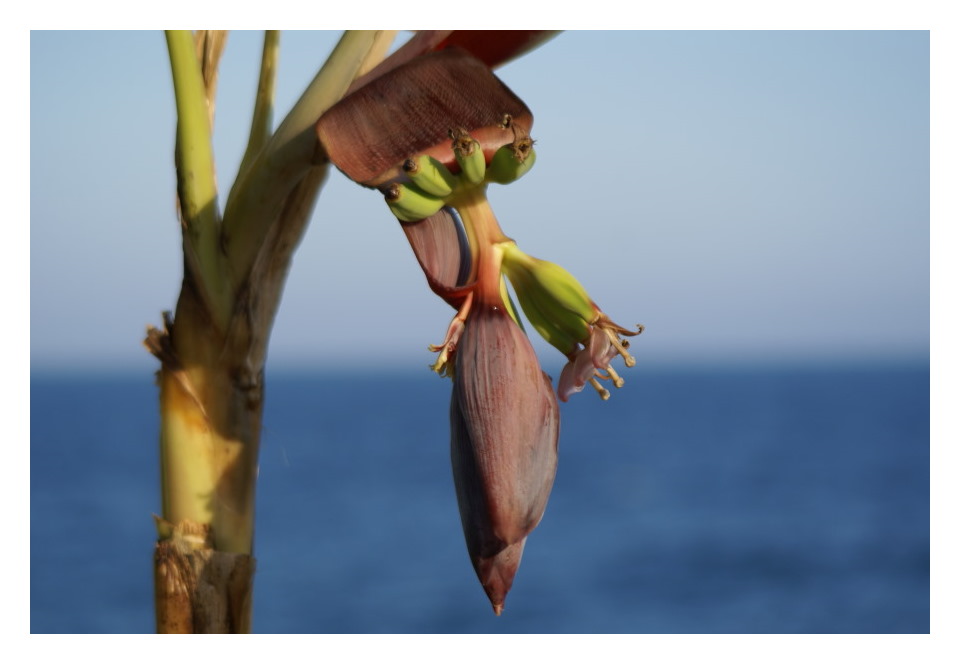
x=406, y=368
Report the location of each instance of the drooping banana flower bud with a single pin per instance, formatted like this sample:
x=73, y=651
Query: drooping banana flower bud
x=505, y=425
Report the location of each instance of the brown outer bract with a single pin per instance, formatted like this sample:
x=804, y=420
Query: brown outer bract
x=505, y=426
x=411, y=110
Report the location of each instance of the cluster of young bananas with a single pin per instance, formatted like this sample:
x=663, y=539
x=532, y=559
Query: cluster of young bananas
x=431, y=184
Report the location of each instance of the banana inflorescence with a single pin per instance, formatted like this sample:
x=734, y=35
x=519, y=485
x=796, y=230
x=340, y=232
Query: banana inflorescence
x=553, y=301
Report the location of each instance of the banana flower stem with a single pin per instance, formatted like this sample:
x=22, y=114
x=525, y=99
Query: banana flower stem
x=485, y=237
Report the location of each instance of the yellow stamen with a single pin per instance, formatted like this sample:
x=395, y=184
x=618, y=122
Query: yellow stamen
x=614, y=376
x=442, y=366
x=604, y=394
x=615, y=340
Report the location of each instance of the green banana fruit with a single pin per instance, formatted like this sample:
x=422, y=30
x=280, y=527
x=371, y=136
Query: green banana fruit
x=556, y=304
x=469, y=155
x=430, y=175
x=410, y=203
x=557, y=336
x=563, y=292
x=559, y=290
x=511, y=162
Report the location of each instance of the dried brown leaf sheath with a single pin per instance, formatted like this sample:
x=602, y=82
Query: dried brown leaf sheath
x=411, y=110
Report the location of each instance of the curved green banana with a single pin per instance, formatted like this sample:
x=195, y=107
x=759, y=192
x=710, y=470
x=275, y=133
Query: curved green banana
x=553, y=334
x=430, y=175
x=469, y=155
x=563, y=331
x=409, y=203
x=553, y=300
x=562, y=337
x=558, y=290
x=563, y=293
x=511, y=162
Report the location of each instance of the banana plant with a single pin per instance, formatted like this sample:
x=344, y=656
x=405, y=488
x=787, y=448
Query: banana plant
x=236, y=256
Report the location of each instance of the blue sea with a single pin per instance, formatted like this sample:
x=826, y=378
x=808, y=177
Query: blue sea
x=694, y=501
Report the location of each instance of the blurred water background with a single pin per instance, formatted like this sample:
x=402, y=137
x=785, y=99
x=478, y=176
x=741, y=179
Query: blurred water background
x=787, y=500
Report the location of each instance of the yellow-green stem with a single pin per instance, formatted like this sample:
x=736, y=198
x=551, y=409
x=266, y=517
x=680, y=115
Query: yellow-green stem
x=196, y=181
x=259, y=193
x=212, y=352
x=262, y=122
x=485, y=236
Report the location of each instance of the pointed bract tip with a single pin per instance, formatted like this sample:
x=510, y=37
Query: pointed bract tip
x=496, y=573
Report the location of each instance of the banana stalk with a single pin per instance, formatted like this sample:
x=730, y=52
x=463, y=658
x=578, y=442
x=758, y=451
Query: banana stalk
x=212, y=351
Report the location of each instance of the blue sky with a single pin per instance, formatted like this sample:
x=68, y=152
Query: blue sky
x=748, y=196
